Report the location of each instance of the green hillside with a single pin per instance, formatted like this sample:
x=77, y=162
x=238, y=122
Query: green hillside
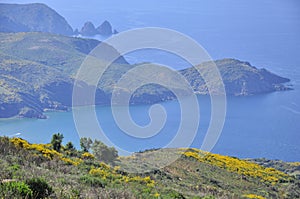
x=240, y=78
x=37, y=170
x=37, y=72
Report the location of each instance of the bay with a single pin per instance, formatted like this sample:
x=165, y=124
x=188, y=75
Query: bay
x=255, y=126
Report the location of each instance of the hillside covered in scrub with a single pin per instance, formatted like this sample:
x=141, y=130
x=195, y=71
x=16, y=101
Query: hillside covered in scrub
x=38, y=70
x=96, y=171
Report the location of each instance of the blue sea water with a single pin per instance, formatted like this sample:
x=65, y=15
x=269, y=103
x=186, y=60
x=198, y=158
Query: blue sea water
x=257, y=126
x=265, y=33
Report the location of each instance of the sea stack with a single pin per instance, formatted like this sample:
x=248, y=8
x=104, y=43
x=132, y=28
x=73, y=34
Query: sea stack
x=88, y=29
x=105, y=29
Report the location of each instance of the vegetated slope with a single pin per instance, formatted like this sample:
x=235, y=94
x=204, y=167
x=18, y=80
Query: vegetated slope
x=61, y=52
x=239, y=78
x=23, y=87
x=78, y=174
x=38, y=71
x=292, y=168
x=34, y=17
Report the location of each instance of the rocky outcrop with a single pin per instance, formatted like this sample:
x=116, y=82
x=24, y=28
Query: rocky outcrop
x=105, y=29
x=88, y=29
x=115, y=32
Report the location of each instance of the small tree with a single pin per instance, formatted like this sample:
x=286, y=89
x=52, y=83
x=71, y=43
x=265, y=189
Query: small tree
x=39, y=187
x=56, y=141
x=69, y=146
x=103, y=152
x=85, y=144
x=70, y=149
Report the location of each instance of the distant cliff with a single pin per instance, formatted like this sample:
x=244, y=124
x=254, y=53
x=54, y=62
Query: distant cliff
x=34, y=17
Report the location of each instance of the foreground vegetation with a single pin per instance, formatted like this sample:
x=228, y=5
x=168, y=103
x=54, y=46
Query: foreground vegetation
x=57, y=171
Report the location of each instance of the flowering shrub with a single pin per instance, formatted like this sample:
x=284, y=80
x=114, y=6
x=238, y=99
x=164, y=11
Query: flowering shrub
x=142, y=180
x=87, y=155
x=254, y=196
x=45, y=150
x=146, y=180
x=242, y=167
x=105, y=172
x=42, y=148
x=75, y=161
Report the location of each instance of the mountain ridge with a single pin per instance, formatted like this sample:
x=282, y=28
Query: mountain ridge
x=34, y=17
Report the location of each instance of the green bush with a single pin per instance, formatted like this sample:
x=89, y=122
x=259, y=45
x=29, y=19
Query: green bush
x=15, y=189
x=75, y=193
x=208, y=197
x=103, y=152
x=13, y=170
x=39, y=187
x=93, y=181
x=174, y=195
